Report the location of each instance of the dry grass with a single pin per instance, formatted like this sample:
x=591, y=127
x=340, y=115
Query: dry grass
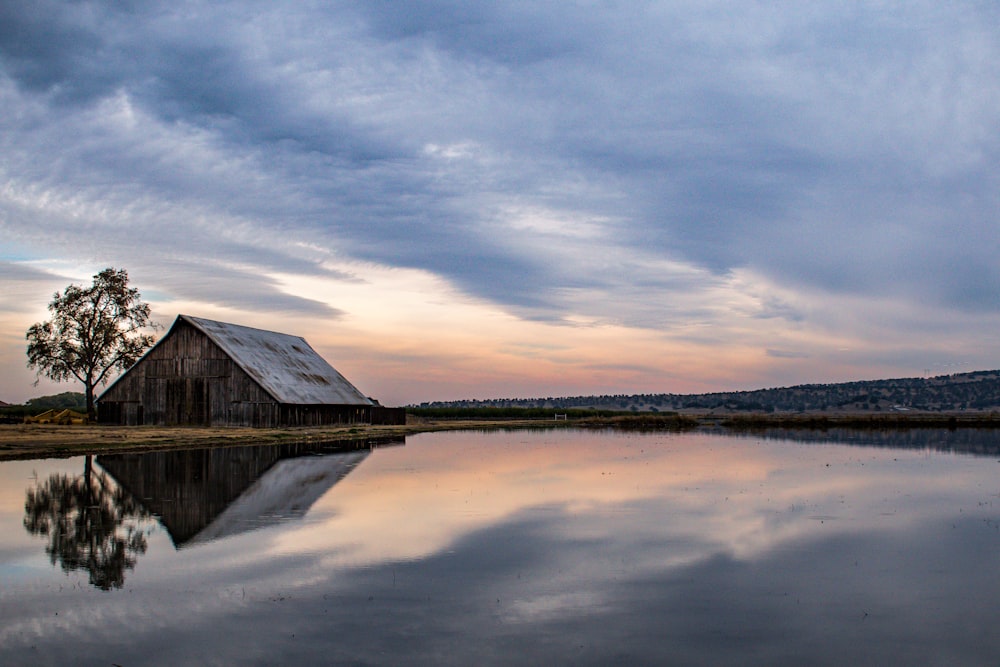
x=47, y=440
x=19, y=441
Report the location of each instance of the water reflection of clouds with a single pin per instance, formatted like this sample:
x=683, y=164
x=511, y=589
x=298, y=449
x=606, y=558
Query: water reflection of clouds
x=739, y=498
x=830, y=596
x=426, y=497
x=586, y=549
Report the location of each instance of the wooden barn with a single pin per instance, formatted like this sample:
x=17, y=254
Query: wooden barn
x=207, y=373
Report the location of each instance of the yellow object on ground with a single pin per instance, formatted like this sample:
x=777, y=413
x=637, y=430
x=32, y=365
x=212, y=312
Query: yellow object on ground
x=64, y=417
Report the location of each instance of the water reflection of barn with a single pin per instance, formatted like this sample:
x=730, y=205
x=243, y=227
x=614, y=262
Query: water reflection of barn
x=211, y=373
x=207, y=494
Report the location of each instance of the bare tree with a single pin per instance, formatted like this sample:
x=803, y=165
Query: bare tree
x=94, y=331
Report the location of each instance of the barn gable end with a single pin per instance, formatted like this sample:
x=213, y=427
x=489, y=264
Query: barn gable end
x=209, y=373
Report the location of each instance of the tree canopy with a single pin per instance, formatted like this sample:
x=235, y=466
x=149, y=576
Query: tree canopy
x=95, y=330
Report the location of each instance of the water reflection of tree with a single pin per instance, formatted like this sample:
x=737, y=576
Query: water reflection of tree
x=91, y=525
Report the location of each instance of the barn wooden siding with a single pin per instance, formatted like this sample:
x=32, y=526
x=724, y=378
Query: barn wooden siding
x=388, y=416
x=187, y=490
x=189, y=380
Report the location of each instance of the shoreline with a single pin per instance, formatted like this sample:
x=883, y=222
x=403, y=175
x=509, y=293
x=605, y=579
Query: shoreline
x=34, y=441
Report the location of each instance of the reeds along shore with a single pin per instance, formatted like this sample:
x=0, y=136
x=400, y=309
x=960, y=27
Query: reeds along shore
x=862, y=420
x=742, y=422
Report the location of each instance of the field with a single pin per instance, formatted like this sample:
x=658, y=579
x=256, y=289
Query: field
x=47, y=440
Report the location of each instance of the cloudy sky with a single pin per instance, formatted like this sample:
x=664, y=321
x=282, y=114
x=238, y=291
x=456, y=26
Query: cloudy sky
x=454, y=199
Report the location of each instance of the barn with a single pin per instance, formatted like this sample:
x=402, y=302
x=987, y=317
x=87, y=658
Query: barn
x=208, y=373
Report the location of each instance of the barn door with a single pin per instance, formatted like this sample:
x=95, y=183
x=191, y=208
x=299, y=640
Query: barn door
x=188, y=401
x=199, y=402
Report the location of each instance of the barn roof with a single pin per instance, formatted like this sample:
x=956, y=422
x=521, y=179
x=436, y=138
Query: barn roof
x=284, y=365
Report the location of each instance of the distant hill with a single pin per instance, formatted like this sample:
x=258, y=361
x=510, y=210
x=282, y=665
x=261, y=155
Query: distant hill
x=977, y=391
x=72, y=400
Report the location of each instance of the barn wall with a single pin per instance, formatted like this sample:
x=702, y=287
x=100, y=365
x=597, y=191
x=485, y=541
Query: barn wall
x=323, y=415
x=388, y=416
x=327, y=415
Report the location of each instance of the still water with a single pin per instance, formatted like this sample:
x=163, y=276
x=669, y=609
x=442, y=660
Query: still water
x=519, y=547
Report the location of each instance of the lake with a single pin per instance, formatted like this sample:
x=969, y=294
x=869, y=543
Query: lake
x=559, y=547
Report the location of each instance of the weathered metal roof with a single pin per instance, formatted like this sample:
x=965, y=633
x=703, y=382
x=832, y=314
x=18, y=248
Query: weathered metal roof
x=284, y=365
x=286, y=491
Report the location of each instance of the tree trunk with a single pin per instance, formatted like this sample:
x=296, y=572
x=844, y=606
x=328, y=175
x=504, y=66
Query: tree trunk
x=91, y=413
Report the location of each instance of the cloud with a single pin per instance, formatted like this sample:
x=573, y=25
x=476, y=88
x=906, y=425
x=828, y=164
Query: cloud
x=26, y=290
x=784, y=354
x=235, y=288
x=18, y=271
x=571, y=163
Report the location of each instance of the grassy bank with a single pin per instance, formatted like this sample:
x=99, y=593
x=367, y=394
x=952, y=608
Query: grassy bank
x=21, y=441
x=53, y=441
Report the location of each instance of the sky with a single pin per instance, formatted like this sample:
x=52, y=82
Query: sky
x=459, y=199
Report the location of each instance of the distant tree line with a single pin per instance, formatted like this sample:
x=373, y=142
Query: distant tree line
x=493, y=413
x=976, y=391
